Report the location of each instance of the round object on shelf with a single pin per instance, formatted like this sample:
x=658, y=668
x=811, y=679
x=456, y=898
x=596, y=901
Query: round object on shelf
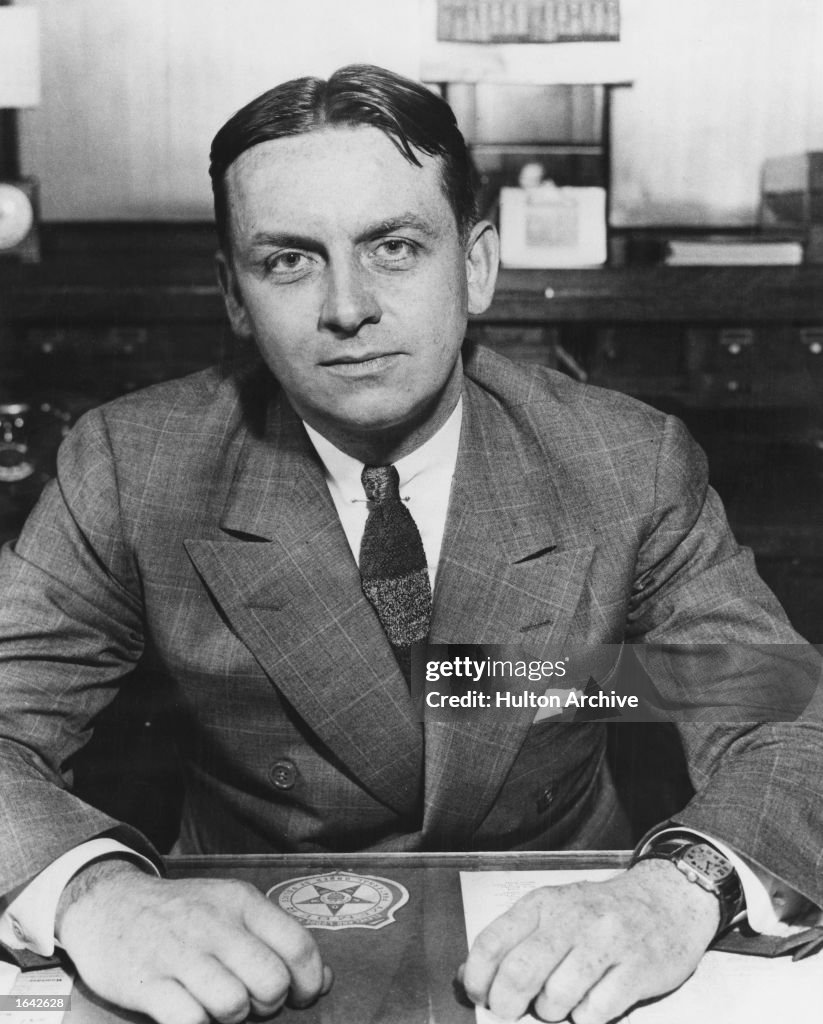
x=16, y=215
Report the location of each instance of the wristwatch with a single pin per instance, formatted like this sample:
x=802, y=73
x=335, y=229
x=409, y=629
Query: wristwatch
x=704, y=865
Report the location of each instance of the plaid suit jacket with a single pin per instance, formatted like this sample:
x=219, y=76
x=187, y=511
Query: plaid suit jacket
x=191, y=528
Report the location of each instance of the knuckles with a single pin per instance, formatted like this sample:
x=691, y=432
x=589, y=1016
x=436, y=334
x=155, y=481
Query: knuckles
x=598, y=1010
x=229, y=1007
x=192, y=1016
x=489, y=945
x=555, y=1002
x=519, y=971
x=304, y=950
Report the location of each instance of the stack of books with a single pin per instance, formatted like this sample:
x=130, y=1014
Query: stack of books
x=733, y=250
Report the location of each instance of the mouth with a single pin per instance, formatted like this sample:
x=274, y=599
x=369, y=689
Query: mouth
x=361, y=364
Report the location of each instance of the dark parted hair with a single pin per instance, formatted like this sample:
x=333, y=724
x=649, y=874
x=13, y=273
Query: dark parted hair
x=412, y=116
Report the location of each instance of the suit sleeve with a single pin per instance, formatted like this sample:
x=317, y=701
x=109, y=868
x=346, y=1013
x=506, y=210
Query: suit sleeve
x=745, y=688
x=70, y=629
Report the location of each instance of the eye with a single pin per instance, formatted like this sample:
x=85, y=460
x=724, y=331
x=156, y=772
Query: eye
x=288, y=263
x=395, y=250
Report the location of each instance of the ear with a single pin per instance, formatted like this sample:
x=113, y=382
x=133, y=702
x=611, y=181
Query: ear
x=482, y=260
x=232, y=296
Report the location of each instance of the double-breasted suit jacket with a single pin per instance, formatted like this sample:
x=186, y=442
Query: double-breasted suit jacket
x=191, y=529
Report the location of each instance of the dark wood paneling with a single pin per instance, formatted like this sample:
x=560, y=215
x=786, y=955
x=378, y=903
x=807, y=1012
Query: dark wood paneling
x=164, y=272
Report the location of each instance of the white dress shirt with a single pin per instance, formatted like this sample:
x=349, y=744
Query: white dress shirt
x=425, y=485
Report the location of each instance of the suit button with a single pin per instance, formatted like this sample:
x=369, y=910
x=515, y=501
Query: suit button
x=544, y=800
x=283, y=773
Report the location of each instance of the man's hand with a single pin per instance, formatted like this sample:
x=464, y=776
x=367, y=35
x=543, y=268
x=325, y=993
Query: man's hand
x=591, y=950
x=185, y=951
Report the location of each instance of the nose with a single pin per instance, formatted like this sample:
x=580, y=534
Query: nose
x=349, y=301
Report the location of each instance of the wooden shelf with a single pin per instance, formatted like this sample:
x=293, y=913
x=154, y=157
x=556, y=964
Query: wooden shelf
x=660, y=294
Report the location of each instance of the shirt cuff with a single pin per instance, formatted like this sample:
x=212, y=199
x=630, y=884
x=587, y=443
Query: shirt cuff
x=28, y=920
x=772, y=906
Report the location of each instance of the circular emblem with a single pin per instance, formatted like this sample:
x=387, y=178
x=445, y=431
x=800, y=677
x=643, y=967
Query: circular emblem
x=340, y=899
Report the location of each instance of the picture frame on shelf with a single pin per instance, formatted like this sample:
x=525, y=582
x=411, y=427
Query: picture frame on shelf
x=547, y=226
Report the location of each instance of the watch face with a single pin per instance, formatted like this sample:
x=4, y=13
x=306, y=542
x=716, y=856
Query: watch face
x=16, y=215
x=708, y=862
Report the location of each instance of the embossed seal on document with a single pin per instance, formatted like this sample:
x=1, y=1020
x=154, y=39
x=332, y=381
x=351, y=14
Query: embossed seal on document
x=340, y=899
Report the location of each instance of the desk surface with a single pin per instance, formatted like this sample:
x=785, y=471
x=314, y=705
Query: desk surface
x=402, y=973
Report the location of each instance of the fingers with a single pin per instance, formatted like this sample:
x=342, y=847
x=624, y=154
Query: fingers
x=168, y=1002
x=562, y=983
x=217, y=990
x=587, y=952
x=611, y=997
x=191, y=951
x=244, y=976
x=494, y=945
x=577, y=986
x=292, y=945
x=258, y=958
x=524, y=973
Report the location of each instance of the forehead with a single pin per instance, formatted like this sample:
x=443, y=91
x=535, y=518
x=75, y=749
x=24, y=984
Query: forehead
x=336, y=176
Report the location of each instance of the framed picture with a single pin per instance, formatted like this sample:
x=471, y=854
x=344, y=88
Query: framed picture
x=553, y=226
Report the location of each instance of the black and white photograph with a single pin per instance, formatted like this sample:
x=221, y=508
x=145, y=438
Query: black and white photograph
x=411, y=511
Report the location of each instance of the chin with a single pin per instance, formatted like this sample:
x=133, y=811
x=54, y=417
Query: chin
x=365, y=415
x=376, y=425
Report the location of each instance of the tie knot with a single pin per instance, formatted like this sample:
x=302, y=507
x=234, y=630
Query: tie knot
x=380, y=483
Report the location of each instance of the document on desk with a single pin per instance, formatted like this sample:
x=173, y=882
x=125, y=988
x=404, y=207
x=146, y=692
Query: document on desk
x=34, y=997
x=725, y=988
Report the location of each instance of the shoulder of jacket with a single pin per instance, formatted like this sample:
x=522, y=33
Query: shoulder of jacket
x=540, y=392
x=195, y=397
x=187, y=421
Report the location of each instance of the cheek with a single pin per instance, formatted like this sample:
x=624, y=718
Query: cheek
x=447, y=303
x=438, y=304
x=282, y=329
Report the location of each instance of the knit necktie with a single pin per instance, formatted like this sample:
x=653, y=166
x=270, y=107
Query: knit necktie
x=393, y=567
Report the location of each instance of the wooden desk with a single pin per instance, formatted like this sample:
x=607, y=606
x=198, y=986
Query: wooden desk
x=402, y=973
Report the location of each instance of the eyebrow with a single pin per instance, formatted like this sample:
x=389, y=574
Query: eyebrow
x=398, y=223
x=289, y=240
x=285, y=240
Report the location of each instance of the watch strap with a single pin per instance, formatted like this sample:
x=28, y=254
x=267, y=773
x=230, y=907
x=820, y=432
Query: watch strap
x=676, y=849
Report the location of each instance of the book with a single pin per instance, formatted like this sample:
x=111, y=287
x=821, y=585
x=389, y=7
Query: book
x=733, y=250
x=792, y=191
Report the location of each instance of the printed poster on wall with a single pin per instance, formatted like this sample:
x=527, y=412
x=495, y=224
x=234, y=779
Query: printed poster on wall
x=528, y=21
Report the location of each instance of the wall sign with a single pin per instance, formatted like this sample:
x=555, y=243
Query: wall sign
x=528, y=21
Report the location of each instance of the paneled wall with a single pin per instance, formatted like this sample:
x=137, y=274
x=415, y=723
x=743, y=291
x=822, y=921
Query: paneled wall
x=719, y=86
x=134, y=89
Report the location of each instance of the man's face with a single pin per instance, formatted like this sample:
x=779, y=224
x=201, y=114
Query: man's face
x=348, y=270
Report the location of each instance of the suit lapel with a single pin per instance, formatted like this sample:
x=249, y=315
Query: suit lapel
x=510, y=574
x=285, y=579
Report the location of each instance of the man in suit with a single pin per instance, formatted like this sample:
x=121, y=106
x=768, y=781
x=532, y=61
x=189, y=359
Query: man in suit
x=211, y=528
